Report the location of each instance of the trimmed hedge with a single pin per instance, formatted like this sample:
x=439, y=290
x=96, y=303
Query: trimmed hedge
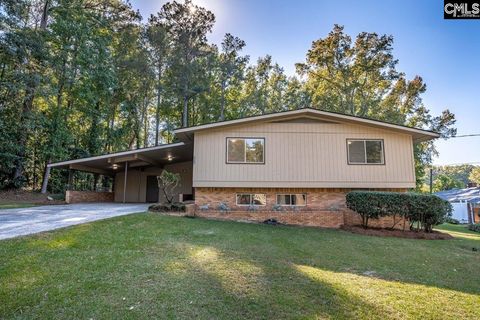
x=422, y=210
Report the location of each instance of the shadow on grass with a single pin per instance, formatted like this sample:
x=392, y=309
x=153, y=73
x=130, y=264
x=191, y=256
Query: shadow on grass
x=225, y=286
x=151, y=266
x=446, y=264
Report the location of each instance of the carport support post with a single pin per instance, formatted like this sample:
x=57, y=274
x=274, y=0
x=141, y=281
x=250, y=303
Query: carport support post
x=70, y=179
x=125, y=182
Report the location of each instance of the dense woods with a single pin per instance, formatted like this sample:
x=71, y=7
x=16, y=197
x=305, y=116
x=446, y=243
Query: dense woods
x=86, y=77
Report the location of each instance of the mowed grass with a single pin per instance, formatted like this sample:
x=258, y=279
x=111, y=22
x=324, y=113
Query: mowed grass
x=152, y=266
x=16, y=205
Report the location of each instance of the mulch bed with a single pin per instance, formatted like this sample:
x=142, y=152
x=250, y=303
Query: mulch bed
x=435, y=235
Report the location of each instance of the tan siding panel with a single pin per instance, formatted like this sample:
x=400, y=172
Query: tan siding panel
x=137, y=181
x=303, y=155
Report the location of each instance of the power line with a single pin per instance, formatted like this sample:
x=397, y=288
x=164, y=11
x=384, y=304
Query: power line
x=455, y=164
x=465, y=135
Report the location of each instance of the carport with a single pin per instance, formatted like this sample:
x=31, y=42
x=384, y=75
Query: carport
x=134, y=173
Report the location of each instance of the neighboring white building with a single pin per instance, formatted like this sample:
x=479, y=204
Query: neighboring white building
x=465, y=203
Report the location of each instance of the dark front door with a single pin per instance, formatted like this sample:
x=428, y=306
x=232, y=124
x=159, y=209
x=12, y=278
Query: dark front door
x=152, y=189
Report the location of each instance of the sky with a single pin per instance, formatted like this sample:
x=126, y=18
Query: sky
x=445, y=53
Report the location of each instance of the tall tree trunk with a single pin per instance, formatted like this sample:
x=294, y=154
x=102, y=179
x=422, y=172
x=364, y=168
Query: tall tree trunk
x=145, y=129
x=111, y=125
x=222, y=106
x=61, y=85
x=92, y=145
x=23, y=131
x=159, y=102
x=145, y=117
x=185, y=111
x=46, y=175
x=27, y=106
x=157, y=119
x=194, y=113
x=2, y=74
x=34, y=160
x=44, y=20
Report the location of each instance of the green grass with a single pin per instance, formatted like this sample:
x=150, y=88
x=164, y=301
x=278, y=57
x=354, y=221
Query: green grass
x=152, y=266
x=15, y=205
x=459, y=230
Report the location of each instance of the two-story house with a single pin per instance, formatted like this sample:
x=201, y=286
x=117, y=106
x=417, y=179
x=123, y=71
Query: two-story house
x=294, y=165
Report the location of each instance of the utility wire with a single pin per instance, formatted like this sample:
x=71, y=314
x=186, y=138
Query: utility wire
x=465, y=135
x=455, y=164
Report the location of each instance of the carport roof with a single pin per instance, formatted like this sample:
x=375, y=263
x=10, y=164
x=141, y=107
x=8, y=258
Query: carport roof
x=108, y=164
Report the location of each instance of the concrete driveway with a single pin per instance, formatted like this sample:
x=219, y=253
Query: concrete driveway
x=24, y=221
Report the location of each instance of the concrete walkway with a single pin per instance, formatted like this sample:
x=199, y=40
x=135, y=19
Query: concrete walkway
x=24, y=221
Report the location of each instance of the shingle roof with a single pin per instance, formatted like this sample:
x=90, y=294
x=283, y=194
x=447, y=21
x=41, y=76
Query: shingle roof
x=471, y=195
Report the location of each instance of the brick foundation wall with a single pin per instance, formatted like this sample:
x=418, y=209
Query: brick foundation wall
x=88, y=196
x=326, y=219
x=325, y=207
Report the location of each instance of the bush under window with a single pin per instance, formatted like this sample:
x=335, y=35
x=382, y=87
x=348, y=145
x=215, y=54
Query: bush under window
x=421, y=210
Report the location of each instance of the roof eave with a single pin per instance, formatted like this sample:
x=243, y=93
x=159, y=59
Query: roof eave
x=109, y=155
x=423, y=135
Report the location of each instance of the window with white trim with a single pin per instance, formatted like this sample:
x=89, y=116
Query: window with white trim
x=298, y=199
x=248, y=199
x=363, y=151
x=245, y=150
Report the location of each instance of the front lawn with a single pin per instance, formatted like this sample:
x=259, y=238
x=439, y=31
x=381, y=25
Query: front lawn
x=153, y=266
x=15, y=205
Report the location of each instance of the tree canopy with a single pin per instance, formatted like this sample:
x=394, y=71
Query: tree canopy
x=84, y=77
x=475, y=175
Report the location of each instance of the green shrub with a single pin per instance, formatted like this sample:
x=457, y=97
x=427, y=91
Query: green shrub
x=474, y=227
x=374, y=205
x=167, y=207
x=427, y=210
x=424, y=210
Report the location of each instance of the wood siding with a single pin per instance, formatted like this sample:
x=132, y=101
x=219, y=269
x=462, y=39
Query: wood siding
x=303, y=155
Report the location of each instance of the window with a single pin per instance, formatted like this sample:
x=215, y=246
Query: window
x=292, y=199
x=245, y=150
x=246, y=199
x=365, y=152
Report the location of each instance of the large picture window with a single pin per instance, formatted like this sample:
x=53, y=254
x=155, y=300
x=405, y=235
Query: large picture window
x=247, y=199
x=245, y=150
x=292, y=199
x=365, y=151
